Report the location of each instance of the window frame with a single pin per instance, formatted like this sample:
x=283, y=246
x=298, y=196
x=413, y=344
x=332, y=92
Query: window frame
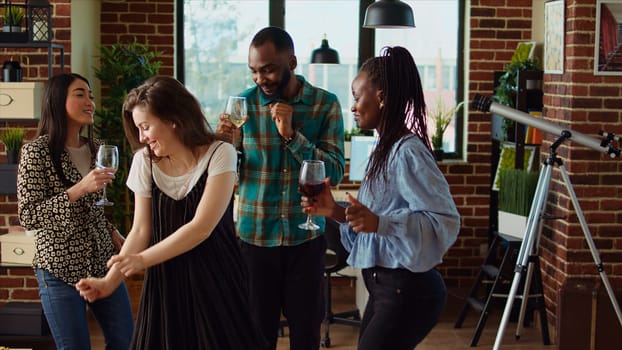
x=366, y=50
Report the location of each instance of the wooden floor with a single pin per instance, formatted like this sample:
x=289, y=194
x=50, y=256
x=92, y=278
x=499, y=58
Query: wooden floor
x=443, y=337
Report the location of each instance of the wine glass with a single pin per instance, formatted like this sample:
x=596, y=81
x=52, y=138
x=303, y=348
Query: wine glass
x=107, y=157
x=237, y=110
x=311, y=183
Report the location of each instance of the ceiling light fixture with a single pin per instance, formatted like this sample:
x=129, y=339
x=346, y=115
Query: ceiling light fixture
x=325, y=54
x=389, y=14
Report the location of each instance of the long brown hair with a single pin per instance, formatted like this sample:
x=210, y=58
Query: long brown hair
x=170, y=101
x=395, y=74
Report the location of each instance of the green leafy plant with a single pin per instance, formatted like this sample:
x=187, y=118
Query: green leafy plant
x=13, y=16
x=13, y=139
x=506, y=89
x=516, y=191
x=122, y=67
x=442, y=117
x=356, y=132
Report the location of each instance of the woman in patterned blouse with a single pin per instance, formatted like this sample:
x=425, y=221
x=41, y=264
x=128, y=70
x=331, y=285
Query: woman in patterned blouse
x=57, y=187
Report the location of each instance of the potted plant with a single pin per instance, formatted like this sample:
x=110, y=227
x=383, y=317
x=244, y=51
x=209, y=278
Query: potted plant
x=122, y=67
x=505, y=91
x=12, y=139
x=12, y=18
x=516, y=192
x=442, y=117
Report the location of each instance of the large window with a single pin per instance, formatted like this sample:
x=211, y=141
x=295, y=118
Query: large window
x=434, y=46
x=214, y=36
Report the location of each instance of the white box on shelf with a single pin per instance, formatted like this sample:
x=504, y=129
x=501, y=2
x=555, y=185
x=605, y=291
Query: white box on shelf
x=512, y=224
x=17, y=248
x=21, y=100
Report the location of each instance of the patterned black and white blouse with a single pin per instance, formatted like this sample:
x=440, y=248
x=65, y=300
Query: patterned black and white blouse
x=73, y=240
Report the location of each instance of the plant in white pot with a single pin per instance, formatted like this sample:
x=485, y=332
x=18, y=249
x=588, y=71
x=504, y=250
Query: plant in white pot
x=12, y=17
x=442, y=117
x=516, y=192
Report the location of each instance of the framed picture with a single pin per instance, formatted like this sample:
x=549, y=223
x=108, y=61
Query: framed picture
x=554, y=37
x=524, y=50
x=607, y=50
x=507, y=160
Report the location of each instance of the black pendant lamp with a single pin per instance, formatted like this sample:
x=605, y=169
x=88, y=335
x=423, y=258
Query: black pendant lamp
x=325, y=54
x=389, y=14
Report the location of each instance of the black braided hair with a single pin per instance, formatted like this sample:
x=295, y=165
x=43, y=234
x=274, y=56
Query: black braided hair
x=395, y=73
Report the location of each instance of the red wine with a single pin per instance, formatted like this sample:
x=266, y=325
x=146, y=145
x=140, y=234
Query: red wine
x=311, y=190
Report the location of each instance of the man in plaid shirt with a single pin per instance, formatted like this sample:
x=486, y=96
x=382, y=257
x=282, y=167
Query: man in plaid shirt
x=289, y=120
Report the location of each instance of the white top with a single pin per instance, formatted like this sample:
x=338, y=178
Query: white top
x=81, y=158
x=177, y=187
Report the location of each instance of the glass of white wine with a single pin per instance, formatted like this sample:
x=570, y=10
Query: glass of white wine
x=107, y=157
x=237, y=111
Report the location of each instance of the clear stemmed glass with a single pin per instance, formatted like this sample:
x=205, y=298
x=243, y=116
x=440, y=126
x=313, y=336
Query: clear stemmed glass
x=237, y=111
x=107, y=157
x=311, y=181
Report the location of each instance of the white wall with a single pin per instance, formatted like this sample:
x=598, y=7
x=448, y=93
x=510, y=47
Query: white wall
x=85, y=39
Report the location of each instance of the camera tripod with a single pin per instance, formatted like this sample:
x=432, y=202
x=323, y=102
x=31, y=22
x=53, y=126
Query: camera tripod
x=531, y=240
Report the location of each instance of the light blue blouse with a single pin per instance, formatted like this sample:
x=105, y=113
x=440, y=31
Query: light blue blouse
x=418, y=219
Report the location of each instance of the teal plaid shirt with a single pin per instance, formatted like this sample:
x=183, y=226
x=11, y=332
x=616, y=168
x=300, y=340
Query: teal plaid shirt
x=269, y=202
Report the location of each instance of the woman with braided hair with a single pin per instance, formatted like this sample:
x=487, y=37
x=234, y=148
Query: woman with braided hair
x=404, y=219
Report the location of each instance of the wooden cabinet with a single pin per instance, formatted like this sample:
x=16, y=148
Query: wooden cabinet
x=12, y=107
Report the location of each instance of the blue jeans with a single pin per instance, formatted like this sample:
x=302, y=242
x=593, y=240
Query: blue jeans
x=65, y=311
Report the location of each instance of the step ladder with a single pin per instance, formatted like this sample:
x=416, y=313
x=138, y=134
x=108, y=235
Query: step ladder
x=493, y=282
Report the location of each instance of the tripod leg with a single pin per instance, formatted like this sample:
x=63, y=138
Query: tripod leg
x=528, y=280
x=590, y=243
x=525, y=299
x=526, y=247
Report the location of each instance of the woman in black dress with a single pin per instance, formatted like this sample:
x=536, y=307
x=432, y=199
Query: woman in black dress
x=195, y=288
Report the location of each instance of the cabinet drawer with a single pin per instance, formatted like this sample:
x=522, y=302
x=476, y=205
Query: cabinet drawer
x=21, y=100
x=17, y=248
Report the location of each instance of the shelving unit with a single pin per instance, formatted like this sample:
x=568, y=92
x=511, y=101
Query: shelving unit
x=38, y=30
x=528, y=97
x=40, y=45
x=493, y=280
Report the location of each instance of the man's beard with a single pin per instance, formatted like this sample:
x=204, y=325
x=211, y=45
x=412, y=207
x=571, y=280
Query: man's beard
x=278, y=92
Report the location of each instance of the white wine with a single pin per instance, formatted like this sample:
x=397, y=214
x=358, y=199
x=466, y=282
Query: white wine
x=237, y=122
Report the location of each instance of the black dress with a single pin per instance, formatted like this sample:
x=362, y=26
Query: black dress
x=197, y=300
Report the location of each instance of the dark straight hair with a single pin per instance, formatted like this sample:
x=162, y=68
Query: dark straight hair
x=53, y=122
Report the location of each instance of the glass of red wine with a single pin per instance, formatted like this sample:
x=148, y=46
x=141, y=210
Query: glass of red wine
x=311, y=183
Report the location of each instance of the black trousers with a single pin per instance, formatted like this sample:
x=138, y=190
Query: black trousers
x=288, y=279
x=403, y=307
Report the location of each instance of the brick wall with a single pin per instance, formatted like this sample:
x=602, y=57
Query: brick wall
x=147, y=21
x=497, y=26
x=585, y=103
x=576, y=98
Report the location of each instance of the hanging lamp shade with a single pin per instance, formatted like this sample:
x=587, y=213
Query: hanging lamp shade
x=389, y=14
x=325, y=54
